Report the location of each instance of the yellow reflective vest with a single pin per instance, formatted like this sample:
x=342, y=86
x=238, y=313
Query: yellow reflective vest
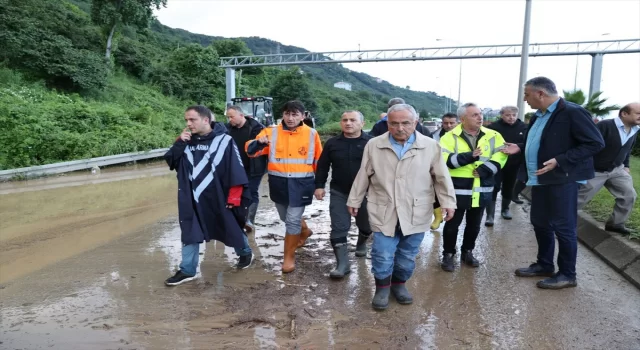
x=472, y=191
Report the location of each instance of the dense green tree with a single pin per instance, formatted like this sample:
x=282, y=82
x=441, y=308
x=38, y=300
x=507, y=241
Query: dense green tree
x=291, y=85
x=195, y=72
x=111, y=14
x=45, y=50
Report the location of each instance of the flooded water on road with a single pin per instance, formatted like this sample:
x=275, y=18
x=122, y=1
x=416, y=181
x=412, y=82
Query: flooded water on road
x=83, y=267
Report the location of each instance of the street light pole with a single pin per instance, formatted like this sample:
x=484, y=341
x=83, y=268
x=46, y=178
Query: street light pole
x=459, y=70
x=460, y=79
x=524, y=58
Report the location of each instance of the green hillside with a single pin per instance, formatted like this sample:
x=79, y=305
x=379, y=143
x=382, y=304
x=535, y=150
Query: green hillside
x=62, y=99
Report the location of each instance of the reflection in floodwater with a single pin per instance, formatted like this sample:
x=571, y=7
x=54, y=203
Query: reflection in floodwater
x=265, y=338
x=62, y=322
x=426, y=330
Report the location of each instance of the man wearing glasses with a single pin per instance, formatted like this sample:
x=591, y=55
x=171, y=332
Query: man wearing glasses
x=293, y=150
x=401, y=174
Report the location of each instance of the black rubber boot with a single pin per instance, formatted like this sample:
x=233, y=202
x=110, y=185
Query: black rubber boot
x=343, y=266
x=517, y=200
x=491, y=211
x=468, y=258
x=400, y=292
x=447, y=263
x=506, y=214
x=361, y=245
x=381, y=298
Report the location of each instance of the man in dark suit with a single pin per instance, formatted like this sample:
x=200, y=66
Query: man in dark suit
x=612, y=166
x=559, y=147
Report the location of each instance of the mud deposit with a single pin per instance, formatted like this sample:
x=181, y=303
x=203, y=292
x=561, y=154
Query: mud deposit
x=83, y=268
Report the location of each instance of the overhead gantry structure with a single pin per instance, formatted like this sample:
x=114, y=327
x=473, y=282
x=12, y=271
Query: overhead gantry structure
x=596, y=49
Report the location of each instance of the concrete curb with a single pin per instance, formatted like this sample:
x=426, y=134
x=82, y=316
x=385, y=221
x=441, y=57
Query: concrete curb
x=617, y=251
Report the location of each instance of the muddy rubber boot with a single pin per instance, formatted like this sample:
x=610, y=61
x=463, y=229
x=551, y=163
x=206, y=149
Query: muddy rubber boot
x=343, y=267
x=437, y=213
x=361, y=245
x=506, y=214
x=251, y=217
x=491, y=212
x=304, y=234
x=400, y=291
x=381, y=298
x=289, y=260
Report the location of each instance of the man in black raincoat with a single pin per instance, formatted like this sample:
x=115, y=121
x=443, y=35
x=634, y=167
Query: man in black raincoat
x=213, y=194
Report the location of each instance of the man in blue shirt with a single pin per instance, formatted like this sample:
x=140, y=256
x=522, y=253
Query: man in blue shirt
x=559, y=148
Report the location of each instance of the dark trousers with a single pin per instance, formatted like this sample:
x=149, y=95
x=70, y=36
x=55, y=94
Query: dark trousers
x=505, y=181
x=518, y=188
x=554, y=211
x=341, y=219
x=471, y=230
x=254, y=184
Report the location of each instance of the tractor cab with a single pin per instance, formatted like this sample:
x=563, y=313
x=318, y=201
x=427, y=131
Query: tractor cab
x=259, y=108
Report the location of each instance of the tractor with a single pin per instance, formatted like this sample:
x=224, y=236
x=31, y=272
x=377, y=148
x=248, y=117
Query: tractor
x=259, y=108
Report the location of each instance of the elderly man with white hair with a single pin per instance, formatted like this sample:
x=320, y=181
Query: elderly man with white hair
x=403, y=172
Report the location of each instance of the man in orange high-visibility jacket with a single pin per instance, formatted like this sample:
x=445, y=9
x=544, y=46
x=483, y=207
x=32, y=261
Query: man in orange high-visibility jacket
x=293, y=150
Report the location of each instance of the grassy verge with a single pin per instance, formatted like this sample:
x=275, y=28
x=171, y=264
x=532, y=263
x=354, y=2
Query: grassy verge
x=602, y=204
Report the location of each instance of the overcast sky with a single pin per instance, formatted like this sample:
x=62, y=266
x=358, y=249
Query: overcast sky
x=332, y=25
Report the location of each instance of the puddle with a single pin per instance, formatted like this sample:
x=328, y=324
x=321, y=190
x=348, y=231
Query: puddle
x=265, y=338
x=84, y=319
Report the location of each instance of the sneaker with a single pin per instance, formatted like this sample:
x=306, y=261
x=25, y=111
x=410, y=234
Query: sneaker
x=244, y=261
x=178, y=278
x=559, y=281
x=535, y=270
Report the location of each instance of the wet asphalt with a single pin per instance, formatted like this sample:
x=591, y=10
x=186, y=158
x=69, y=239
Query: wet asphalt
x=112, y=296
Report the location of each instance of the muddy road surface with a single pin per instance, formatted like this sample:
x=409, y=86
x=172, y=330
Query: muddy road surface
x=83, y=267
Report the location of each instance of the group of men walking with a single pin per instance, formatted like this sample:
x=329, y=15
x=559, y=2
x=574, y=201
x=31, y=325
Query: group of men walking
x=396, y=182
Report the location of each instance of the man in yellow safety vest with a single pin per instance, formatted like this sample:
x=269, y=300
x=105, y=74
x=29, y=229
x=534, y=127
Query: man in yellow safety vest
x=473, y=156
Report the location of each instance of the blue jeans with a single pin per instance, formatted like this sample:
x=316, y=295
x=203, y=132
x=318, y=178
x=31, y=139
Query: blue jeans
x=292, y=217
x=254, y=184
x=191, y=252
x=554, y=211
x=394, y=255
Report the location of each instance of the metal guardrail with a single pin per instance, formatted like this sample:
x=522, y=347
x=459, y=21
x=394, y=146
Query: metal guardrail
x=81, y=164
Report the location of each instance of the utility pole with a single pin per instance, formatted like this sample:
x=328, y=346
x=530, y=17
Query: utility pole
x=524, y=58
x=460, y=79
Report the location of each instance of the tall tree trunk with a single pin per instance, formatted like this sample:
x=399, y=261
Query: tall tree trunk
x=110, y=42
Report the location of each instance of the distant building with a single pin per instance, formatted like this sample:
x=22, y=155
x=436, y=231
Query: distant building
x=342, y=85
x=379, y=80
